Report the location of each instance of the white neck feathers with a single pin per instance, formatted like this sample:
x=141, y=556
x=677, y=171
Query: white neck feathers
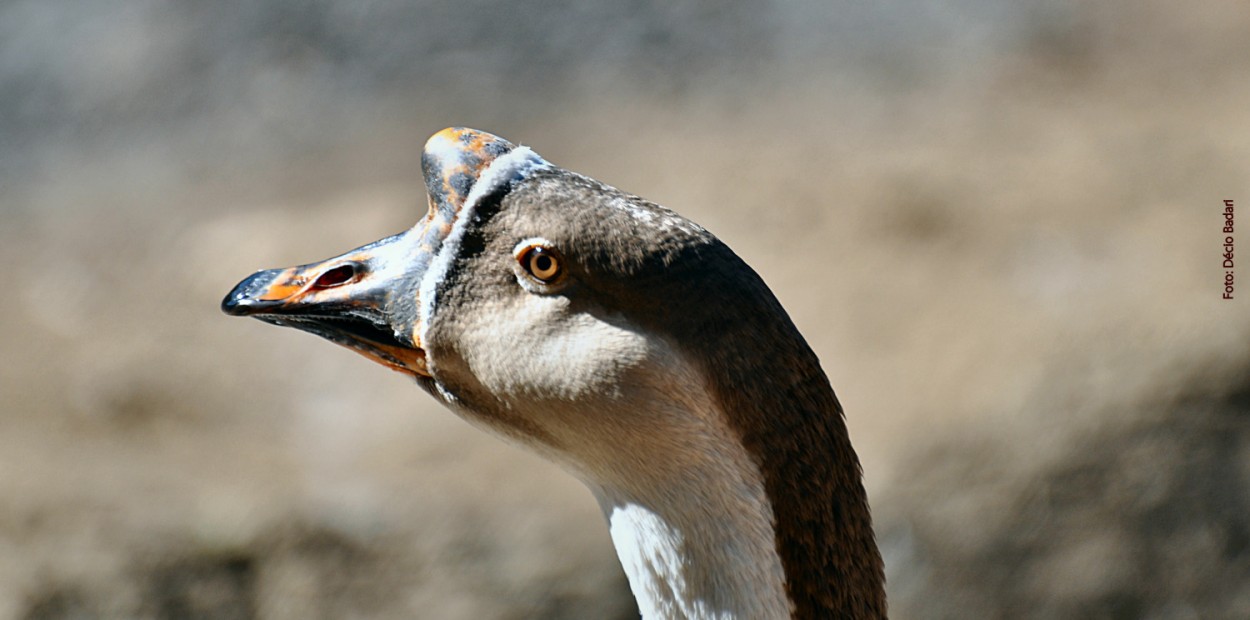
x=696, y=571
x=697, y=540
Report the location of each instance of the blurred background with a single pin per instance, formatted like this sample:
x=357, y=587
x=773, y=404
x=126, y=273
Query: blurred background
x=997, y=223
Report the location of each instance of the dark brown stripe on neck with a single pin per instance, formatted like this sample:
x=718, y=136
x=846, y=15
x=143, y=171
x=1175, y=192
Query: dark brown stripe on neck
x=789, y=419
x=770, y=385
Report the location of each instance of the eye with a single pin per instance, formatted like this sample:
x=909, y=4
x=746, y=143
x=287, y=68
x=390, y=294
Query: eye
x=338, y=276
x=543, y=264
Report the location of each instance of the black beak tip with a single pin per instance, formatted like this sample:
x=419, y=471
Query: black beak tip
x=241, y=301
x=232, y=305
x=235, y=303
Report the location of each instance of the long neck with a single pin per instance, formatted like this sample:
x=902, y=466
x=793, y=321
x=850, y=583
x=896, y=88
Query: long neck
x=789, y=420
x=779, y=406
x=700, y=544
x=701, y=537
x=783, y=410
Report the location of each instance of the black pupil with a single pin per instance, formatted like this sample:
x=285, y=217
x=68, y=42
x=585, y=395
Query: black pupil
x=336, y=276
x=542, y=263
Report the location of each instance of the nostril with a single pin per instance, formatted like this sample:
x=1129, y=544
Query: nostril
x=337, y=277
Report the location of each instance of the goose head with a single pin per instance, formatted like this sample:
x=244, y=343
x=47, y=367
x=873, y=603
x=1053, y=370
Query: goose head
x=632, y=347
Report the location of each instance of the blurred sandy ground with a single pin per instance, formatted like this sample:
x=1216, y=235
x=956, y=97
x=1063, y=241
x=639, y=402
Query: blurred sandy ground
x=997, y=224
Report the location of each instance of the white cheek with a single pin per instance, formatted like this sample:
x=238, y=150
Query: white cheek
x=539, y=349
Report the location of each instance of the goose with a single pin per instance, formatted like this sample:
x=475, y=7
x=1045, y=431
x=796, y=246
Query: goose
x=631, y=347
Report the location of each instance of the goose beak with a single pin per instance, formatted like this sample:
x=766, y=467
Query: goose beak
x=346, y=299
x=367, y=299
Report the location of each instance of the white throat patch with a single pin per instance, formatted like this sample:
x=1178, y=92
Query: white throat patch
x=651, y=554
x=693, y=526
x=699, y=571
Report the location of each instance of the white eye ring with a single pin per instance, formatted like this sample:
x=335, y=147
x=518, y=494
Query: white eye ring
x=540, y=263
x=543, y=264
